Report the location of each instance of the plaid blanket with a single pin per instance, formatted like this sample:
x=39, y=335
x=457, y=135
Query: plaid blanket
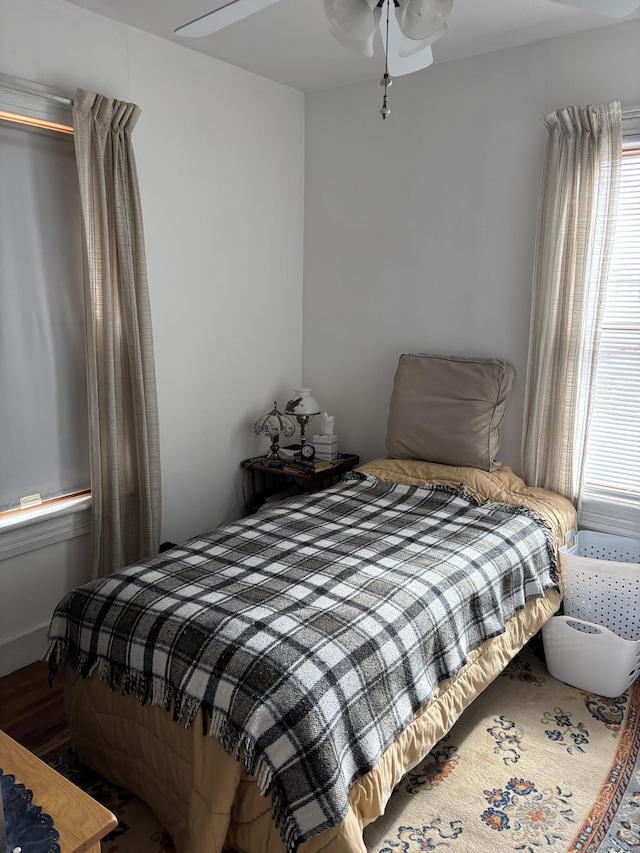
x=311, y=632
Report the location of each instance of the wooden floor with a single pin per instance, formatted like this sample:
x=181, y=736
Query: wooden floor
x=31, y=712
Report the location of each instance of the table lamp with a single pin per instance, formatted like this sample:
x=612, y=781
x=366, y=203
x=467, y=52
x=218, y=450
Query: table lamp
x=303, y=407
x=272, y=424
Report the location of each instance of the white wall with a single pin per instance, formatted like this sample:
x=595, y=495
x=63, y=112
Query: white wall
x=220, y=154
x=30, y=586
x=420, y=230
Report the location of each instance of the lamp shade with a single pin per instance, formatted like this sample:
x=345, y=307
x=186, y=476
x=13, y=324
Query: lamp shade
x=424, y=19
x=275, y=423
x=303, y=403
x=353, y=23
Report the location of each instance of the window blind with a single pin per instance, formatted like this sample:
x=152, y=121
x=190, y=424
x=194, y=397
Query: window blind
x=612, y=472
x=43, y=416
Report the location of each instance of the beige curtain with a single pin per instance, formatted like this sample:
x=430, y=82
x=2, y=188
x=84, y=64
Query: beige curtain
x=576, y=223
x=125, y=464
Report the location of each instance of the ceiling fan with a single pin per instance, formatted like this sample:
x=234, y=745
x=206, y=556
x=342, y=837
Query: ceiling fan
x=407, y=34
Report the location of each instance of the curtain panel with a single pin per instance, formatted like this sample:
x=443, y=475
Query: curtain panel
x=576, y=224
x=123, y=418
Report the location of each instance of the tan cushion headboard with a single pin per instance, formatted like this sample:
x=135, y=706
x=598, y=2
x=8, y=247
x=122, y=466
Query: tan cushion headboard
x=448, y=409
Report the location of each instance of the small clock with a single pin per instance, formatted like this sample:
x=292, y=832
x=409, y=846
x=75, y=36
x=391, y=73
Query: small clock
x=307, y=453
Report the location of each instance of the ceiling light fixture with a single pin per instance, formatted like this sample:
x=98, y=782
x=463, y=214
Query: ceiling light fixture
x=407, y=34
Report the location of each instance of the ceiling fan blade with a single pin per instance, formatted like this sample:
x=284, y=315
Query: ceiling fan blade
x=399, y=65
x=399, y=60
x=226, y=15
x=610, y=8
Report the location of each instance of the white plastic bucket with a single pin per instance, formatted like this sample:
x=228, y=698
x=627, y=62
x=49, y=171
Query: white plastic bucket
x=589, y=656
x=601, y=581
x=595, y=645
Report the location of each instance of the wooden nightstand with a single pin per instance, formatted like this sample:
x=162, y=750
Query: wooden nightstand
x=79, y=819
x=265, y=482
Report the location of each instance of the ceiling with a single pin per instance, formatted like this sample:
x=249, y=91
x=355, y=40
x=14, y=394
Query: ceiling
x=289, y=42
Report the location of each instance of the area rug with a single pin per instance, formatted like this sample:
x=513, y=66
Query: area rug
x=533, y=765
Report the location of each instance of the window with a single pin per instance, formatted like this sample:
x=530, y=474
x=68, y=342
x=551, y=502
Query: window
x=43, y=419
x=611, y=499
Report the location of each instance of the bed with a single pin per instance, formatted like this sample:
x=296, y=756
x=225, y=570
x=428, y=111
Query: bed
x=264, y=688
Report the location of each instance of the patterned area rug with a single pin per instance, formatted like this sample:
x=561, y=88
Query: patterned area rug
x=533, y=765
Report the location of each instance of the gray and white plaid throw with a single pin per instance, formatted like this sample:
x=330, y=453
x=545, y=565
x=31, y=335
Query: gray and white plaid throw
x=311, y=632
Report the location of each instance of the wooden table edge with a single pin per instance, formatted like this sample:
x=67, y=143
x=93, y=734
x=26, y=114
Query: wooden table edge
x=39, y=777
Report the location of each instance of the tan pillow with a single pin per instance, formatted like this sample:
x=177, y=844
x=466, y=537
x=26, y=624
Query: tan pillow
x=447, y=409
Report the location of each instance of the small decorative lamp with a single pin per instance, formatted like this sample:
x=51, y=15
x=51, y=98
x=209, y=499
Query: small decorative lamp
x=272, y=424
x=303, y=407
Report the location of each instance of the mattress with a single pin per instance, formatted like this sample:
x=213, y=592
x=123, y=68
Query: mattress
x=204, y=796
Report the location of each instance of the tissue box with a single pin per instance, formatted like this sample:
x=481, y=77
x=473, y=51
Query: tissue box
x=326, y=446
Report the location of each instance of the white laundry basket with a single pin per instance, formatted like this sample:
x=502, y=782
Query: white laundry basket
x=595, y=645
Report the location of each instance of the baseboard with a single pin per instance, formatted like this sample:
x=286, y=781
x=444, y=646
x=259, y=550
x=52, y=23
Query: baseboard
x=24, y=649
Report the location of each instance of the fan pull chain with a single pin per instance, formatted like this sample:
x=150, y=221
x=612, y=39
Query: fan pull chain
x=386, y=79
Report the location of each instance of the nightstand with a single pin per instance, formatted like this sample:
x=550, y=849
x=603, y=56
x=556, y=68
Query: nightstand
x=265, y=482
